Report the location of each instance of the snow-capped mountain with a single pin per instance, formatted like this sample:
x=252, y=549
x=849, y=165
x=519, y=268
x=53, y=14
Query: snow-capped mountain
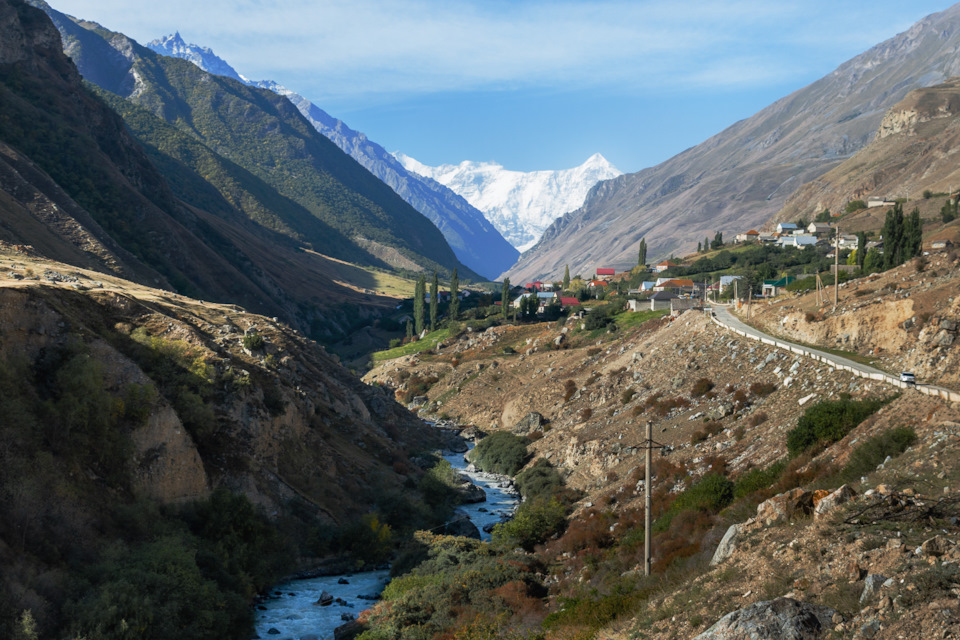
x=520, y=205
x=475, y=241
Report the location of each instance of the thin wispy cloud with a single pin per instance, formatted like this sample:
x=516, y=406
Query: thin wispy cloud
x=361, y=48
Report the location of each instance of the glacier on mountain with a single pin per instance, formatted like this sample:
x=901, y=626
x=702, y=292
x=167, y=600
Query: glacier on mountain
x=521, y=205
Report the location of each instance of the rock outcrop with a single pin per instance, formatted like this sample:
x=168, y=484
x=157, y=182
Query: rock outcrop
x=783, y=618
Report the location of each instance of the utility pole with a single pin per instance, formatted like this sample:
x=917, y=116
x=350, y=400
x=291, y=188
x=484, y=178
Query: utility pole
x=647, y=499
x=836, y=271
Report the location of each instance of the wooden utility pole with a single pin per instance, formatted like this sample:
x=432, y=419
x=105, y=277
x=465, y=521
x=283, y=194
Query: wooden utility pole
x=836, y=271
x=647, y=497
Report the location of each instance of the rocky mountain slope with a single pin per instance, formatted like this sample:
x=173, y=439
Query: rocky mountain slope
x=742, y=176
x=123, y=404
x=911, y=153
x=520, y=204
x=475, y=241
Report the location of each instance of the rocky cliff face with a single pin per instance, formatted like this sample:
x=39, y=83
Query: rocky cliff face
x=741, y=177
x=912, y=152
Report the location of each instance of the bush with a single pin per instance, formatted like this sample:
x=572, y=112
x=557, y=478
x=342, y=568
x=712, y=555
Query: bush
x=711, y=428
x=627, y=395
x=701, y=387
x=253, y=342
x=534, y=522
x=396, y=342
x=757, y=418
x=866, y=457
x=762, y=389
x=758, y=479
x=501, y=452
x=855, y=205
x=569, y=388
x=827, y=422
x=541, y=479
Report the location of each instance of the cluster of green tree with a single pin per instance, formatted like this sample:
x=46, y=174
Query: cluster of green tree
x=827, y=422
x=500, y=452
x=902, y=238
x=948, y=212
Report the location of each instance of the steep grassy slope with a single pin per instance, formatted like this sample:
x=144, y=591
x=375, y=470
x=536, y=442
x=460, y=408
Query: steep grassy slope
x=266, y=135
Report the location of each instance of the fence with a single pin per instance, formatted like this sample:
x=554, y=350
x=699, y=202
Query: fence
x=930, y=390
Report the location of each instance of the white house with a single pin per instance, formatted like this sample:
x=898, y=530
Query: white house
x=786, y=228
x=798, y=241
x=819, y=229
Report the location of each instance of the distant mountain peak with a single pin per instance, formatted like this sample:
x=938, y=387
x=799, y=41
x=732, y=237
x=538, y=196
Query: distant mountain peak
x=521, y=205
x=204, y=57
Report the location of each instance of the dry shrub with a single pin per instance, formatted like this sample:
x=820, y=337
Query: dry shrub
x=592, y=351
x=701, y=387
x=730, y=388
x=627, y=395
x=762, y=389
x=710, y=428
x=585, y=414
x=518, y=599
x=591, y=531
x=593, y=378
x=740, y=397
x=716, y=464
x=757, y=418
x=569, y=388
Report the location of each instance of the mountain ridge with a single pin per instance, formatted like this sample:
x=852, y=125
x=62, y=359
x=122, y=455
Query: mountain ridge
x=740, y=177
x=520, y=204
x=472, y=237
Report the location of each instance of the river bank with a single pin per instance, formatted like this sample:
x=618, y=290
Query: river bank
x=292, y=610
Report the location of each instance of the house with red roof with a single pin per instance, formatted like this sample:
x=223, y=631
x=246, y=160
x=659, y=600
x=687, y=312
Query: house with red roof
x=566, y=303
x=602, y=273
x=664, y=265
x=677, y=285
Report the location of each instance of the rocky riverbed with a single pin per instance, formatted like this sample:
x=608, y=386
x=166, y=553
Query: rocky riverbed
x=312, y=608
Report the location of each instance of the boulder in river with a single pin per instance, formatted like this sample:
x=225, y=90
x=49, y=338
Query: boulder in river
x=343, y=581
x=348, y=631
x=325, y=599
x=469, y=492
x=462, y=526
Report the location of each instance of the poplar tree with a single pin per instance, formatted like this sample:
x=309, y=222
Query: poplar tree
x=706, y=244
x=893, y=237
x=566, y=277
x=505, y=296
x=861, y=248
x=454, y=310
x=434, y=299
x=642, y=253
x=418, y=294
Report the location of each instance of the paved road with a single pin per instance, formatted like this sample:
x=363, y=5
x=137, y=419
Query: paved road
x=727, y=318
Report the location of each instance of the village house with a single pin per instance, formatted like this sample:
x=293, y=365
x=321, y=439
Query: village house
x=767, y=237
x=664, y=265
x=605, y=273
x=785, y=228
x=534, y=286
x=659, y=300
x=567, y=303
x=679, y=286
x=850, y=241
x=940, y=245
x=819, y=229
x=876, y=201
x=750, y=236
x=798, y=242
x=773, y=288
x=596, y=284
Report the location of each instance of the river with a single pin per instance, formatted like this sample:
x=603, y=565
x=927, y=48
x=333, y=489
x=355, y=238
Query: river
x=291, y=613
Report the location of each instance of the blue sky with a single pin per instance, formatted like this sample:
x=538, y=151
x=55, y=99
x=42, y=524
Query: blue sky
x=531, y=84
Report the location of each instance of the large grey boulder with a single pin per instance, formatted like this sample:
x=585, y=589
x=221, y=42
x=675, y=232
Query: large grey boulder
x=469, y=492
x=462, y=526
x=530, y=423
x=728, y=544
x=783, y=619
